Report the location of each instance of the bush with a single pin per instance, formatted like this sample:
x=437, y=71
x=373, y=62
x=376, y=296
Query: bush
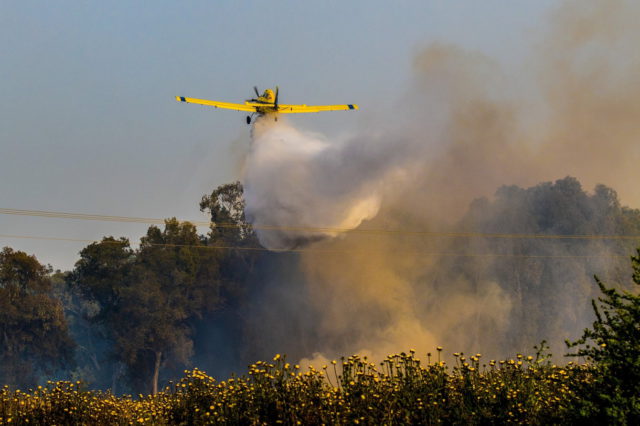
x=613, y=347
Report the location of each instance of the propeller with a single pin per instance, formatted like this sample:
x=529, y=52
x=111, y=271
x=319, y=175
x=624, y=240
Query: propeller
x=276, y=100
x=255, y=89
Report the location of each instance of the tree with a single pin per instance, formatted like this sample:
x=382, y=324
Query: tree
x=548, y=281
x=102, y=271
x=229, y=229
x=149, y=298
x=225, y=205
x=90, y=344
x=613, y=346
x=34, y=336
x=175, y=282
x=97, y=281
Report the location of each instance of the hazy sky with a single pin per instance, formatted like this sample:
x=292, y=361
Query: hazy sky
x=88, y=120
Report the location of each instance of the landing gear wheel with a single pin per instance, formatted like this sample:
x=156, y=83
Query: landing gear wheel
x=248, y=119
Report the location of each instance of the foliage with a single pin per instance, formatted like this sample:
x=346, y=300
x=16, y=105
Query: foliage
x=148, y=298
x=34, y=336
x=157, y=309
x=101, y=271
x=547, y=279
x=174, y=281
x=613, y=346
x=400, y=390
x=136, y=312
x=90, y=345
x=230, y=229
x=225, y=205
x=95, y=286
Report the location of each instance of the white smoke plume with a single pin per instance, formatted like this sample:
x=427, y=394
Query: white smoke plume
x=458, y=135
x=308, y=187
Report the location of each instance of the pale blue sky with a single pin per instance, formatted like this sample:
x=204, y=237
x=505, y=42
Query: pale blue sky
x=88, y=122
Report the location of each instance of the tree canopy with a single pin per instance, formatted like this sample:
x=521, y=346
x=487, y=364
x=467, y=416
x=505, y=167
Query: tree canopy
x=34, y=337
x=148, y=298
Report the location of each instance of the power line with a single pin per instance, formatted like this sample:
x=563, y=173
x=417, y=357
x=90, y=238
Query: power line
x=326, y=251
x=83, y=216
x=308, y=229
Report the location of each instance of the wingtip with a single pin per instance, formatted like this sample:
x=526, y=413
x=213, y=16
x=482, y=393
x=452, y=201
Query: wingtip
x=180, y=99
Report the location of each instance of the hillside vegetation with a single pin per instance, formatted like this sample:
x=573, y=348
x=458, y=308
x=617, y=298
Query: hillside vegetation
x=133, y=321
x=400, y=390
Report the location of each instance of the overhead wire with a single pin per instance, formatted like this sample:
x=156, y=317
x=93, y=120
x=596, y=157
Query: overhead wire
x=156, y=221
x=320, y=251
x=336, y=230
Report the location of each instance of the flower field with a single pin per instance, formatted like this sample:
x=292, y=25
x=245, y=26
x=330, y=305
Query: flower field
x=401, y=390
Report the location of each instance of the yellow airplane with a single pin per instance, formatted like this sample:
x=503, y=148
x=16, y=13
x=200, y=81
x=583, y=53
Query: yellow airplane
x=267, y=104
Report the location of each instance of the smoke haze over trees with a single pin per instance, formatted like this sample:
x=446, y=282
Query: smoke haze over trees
x=140, y=316
x=376, y=293
x=462, y=129
x=219, y=301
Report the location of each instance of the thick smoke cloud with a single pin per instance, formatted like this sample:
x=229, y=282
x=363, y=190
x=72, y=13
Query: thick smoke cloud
x=590, y=73
x=308, y=186
x=460, y=136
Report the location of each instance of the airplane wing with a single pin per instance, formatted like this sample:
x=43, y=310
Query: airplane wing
x=294, y=109
x=216, y=104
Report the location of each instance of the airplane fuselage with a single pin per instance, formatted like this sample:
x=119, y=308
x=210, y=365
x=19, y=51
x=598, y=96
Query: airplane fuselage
x=264, y=104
